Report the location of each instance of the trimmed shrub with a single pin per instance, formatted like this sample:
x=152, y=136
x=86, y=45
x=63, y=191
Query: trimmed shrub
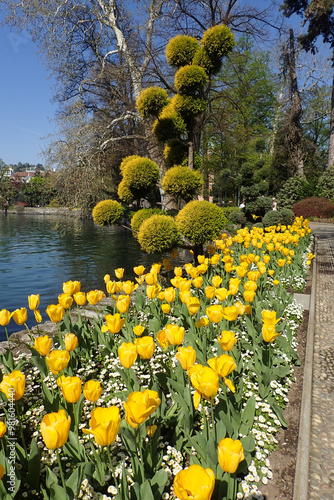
x=151, y=101
x=200, y=221
x=291, y=192
x=126, y=161
x=182, y=183
x=169, y=125
x=124, y=192
x=218, y=41
x=314, y=207
x=140, y=216
x=107, y=212
x=180, y=50
x=140, y=176
x=202, y=59
x=259, y=206
x=158, y=234
x=190, y=80
x=287, y=216
x=175, y=152
x=236, y=216
x=326, y=184
x=271, y=218
x=189, y=106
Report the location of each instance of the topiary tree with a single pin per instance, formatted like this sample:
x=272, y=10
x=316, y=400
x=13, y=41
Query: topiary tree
x=291, y=192
x=271, y=218
x=326, y=184
x=151, y=101
x=139, y=217
x=140, y=176
x=107, y=212
x=181, y=50
x=158, y=233
x=182, y=183
x=200, y=222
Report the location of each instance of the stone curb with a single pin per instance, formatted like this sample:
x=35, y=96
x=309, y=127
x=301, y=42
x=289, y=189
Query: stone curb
x=301, y=483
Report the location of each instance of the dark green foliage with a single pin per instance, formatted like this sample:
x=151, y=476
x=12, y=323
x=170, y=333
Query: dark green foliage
x=326, y=184
x=143, y=214
x=287, y=216
x=202, y=59
x=314, y=207
x=175, y=153
x=151, y=101
x=107, y=212
x=259, y=206
x=169, y=125
x=271, y=218
x=191, y=80
x=180, y=50
x=158, y=234
x=292, y=191
x=236, y=216
x=200, y=221
x=182, y=183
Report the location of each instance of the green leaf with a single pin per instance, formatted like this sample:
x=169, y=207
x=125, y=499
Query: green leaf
x=281, y=371
x=145, y=491
x=74, y=481
x=247, y=417
x=74, y=449
x=158, y=483
x=277, y=410
x=34, y=465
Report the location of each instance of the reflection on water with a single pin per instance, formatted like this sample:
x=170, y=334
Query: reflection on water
x=39, y=253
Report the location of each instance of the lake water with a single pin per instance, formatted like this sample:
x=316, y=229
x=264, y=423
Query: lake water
x=38, y=253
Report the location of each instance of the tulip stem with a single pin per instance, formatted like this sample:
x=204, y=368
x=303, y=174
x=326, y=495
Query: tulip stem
x=112, y=467
x=21, y=428
x=213, y=420
x=29, y=332
x=140, y=453
x=61, y=470
x=7, y=337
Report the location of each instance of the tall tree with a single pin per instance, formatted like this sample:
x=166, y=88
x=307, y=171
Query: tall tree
x=318, y=17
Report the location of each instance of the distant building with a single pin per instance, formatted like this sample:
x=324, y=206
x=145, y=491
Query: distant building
x=22, y=177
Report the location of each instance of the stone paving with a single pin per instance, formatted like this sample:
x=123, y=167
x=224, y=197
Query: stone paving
x=321, y=448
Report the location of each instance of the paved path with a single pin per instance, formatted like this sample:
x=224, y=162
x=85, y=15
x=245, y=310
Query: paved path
x=315, y=460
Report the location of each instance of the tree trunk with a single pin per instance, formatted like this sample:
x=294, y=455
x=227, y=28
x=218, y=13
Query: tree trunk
x=331, y=131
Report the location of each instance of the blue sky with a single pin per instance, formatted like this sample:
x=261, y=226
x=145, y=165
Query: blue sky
x=25, y=100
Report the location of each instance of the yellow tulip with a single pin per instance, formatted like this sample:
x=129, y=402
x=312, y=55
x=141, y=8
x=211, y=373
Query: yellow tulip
x=71, y=389
x=222, y=293
x=269, y=333
x=65, y=300
x=55, y=428
x=138, y=330
x=193, y=304
x=152, y=290
x=223, y=365
x=95, y=296
x=129, y=287
x=150, y=430
x=55, y=312
x=281, y=262
x=80, y=298
x=210, y=292
x=119, y=272
x=167, y=264
x=43, y=345
x=266, y=259
x=186, y=357
x=271, y=272
x=57, y=360
x=269, y=317
x=2, y=471
x=166, y=308
x=197, y=282
x=174, y=334
x=4, y=317
x=215, y=259
x=173, y=253
x=140, y=280
x=205, y=381
x=106, y=278
x=249, y=296
x=38, y=316
x=231, y=313
x=202, y=268
x=139, y=270
x=215, y=313
x=275, y=282
x=170, y=293
x=155, y=268
x=145, y=347
x=216, y=281
x=20, y=316
x=92, y=390
x=140, y=405
x=71, y=287
x=185, y=286
x=3, y=429
x=13, y=385
x=162, y=339
x=127, y=353
x=194, y=483
x=71, y=341
x=202, y=322
x=250, y=286
x=184, y=296
x=230, y=454
x=234, y=285
x=33, y=301
x=253, y=275
x=123, y=303
x=227, y=340
x=228, y=267
x=114, y=322
x=151, y=278
x=178, y=271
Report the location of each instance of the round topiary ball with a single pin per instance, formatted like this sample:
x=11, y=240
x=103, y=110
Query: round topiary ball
x=182, y=183
x=218, y=41
x=158, y=234
x=200, y=221
x=271, y=218
x=211, y=65
x=180, y=50
x=140, y=175
x=191, y=80
x=151, y=101
x=189, y=106
x=107, y=212
x=125, y=163
x=140, y=216
x=124, y=192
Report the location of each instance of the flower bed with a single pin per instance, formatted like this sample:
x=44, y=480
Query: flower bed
x=173, y=391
